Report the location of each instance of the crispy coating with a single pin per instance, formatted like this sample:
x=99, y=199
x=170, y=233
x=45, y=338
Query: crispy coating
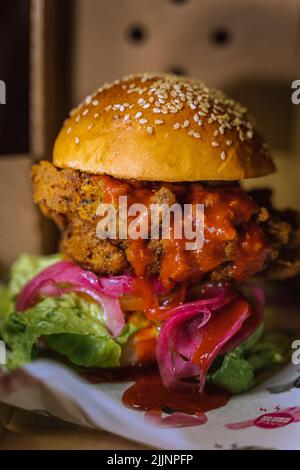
x=71, y=199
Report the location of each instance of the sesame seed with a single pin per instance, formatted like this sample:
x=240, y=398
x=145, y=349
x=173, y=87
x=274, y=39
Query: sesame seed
x=143, y=121
x=228, y=142
x=90, y=126
x=186, y=123
x=85, y=112
x=77, y=119
x=223, y=155
x=96, y=115
x=138, y=115
x=150, y=129
x=116, y=116
x=108, y=108
x=77, y=140
x=171, y=94
x=127, y=117
x=191, y=132
x=69, y=130
x=215, y=144
x=176, y=125
x=197, y=135
x=158, y=122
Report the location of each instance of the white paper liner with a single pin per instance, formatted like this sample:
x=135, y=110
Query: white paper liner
x=266, y=417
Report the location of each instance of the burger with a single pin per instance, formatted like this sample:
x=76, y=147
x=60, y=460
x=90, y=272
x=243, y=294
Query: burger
x=113, y=302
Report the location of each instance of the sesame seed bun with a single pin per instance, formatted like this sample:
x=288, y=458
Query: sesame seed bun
x=159, y=127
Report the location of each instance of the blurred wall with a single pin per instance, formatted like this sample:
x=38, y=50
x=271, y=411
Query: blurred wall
x=248, y=48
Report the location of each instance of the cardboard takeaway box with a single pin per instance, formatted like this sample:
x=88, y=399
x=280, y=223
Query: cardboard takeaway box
x=247, y=48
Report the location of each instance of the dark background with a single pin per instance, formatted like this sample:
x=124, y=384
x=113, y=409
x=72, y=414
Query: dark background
x=14, y=71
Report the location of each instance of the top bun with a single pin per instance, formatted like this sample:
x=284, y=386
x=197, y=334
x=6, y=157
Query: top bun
x=159, y=127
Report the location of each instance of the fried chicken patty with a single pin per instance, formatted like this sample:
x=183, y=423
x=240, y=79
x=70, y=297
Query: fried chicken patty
x=243, y=234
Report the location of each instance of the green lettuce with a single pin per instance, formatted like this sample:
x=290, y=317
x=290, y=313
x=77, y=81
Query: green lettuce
x=7, y=304
x=235, y=374
x=26, y=267
x=69, y=324
x=236, y=370
x=91, y=351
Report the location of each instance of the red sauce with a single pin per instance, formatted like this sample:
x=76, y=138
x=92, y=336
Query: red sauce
x=227, y=218
x=215, y=329
x=149, y=394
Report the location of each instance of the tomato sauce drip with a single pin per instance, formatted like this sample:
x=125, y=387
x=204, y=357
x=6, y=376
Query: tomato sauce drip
x=214, y=330
x=149, y=394
x=229, y=233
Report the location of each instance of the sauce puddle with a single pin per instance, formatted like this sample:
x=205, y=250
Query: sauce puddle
x=148, y=393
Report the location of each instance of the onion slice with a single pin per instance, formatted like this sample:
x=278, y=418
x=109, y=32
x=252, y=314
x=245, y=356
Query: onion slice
x=195, y=333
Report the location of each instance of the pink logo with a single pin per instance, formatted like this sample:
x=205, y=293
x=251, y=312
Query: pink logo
x=276, y=419
x=273, y=420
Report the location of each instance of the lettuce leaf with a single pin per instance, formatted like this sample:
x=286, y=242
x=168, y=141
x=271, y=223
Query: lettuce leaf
x=274, y=348
x=7, y=305
x=71, y=325
x=91, y=351
x=26, y=267
x=86, y=351
x=235, y=374
x=236, y=370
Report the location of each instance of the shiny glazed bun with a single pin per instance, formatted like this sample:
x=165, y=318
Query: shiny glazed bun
x=159, y=127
